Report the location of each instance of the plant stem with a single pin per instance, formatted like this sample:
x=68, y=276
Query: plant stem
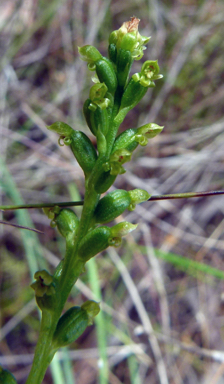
x=71, y=270
x=43, y=355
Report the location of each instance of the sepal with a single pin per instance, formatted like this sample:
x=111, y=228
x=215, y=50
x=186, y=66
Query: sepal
x=67, y=222
x=147, y=131
x=92, y=308
x=61, y=128
x=89, y=53
x=123, y=229
x=138, y=196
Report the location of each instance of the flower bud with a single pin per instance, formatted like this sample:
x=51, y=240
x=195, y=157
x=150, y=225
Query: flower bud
x=126, y=140
x=128, y=38
x=112, y=52
x=124, y=63
x=106, y=74
x=111, y=206
x=103, y=66
x=94, y=242
x=70, y=326
x=104, y=181
x=133, y=93
x=83, y=150
x=67, y=222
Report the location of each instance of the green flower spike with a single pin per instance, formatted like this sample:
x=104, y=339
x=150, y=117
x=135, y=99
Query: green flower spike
x=44, y=284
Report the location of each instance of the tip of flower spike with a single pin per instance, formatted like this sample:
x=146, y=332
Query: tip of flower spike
x=128, y=38
x=131, y=25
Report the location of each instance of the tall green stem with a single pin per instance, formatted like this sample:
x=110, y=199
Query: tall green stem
x=43, y=354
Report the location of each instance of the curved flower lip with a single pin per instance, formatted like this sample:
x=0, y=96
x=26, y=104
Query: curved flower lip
x=43, y=284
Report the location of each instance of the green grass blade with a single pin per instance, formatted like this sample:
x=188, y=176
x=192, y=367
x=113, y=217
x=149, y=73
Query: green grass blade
x=30, y=239
x=67, y=367
x=189, y=266
x=100, y=322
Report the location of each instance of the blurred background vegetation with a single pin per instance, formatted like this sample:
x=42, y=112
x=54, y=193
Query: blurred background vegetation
x=161, y=293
